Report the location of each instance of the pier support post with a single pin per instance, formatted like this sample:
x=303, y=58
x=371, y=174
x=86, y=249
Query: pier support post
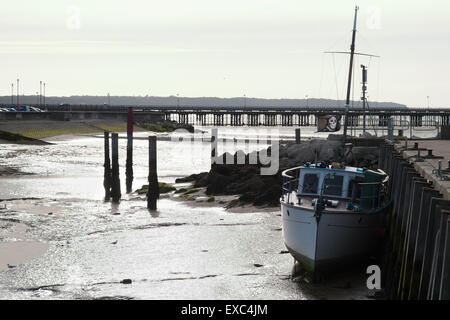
x=214, y=156
x=297, y=136
x=391, y=129
x=129, y=163
x=153, y=188
x=115, y=180
x=107, y=170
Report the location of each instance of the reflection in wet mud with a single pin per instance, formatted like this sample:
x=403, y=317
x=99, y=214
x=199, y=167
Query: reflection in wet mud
x=180, y=251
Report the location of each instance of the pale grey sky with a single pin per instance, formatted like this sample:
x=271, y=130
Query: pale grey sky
x=260, y=48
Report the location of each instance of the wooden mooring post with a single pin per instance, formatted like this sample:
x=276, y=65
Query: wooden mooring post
x=214, y=156
x=153, y=188
x=115, y=180
x=107, y=170
x=297, y=136
x=129, y=163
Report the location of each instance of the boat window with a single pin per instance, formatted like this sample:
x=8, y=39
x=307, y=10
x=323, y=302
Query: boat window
x=354, y=191
x=310, y=183
x=333, y=185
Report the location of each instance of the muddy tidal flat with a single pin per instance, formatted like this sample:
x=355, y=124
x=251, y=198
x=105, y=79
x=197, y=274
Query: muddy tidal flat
x=60, y=240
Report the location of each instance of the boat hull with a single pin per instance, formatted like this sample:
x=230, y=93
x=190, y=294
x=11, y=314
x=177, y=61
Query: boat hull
x=334, y=240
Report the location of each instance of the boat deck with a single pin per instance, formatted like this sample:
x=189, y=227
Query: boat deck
x=306, y=203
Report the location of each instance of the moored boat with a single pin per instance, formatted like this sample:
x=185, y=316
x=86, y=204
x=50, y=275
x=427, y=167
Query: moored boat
x=331, y=216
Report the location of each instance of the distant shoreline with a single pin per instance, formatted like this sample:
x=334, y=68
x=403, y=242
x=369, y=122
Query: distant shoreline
x=42, y=129
x=174, y=101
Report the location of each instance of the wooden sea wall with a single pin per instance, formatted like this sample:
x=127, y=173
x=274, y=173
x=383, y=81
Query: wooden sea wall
x=416, y=260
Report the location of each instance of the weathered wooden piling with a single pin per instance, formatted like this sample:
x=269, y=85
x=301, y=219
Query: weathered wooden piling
x=115, y=180
x=441, y=212
x=410, y=230
x=153, y=188
x=444, y=293
x=214, y=157
x=419, y=248
x=129, y=163
x=297, y=136
x=107, y=170
x=391, y=128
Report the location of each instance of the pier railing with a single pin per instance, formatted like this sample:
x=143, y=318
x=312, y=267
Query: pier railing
x=290, y=181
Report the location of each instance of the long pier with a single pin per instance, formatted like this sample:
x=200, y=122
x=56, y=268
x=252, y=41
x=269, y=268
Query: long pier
x=257, y=116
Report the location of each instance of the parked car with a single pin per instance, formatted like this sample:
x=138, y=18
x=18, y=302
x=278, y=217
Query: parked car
x=36, y=109
x=21, y=108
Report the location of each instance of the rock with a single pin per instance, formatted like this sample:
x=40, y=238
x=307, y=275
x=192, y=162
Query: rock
x=164, y=126
x=335, y=137
x=270, y=196
x=217, y=183
x=245, y=179
x=367, y=135
x=126, y=281
x=163, y=188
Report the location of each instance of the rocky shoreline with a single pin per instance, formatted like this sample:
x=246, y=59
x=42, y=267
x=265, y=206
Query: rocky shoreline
x=253, y=188
x=164, y=126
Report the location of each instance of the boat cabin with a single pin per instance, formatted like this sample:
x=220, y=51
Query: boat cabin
x=348, y=188
x=330, y=182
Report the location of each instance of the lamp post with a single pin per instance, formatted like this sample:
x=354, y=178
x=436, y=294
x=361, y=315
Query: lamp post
x=12, y=93
x=307, y=101
x=37, y=98
x=44, y=94
x=245, y=101
x=18, y=93
x=40, y=93
x=178, y=101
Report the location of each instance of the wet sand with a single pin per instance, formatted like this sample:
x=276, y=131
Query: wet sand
x=187, y=249
x=15, y=248
x=19, y=252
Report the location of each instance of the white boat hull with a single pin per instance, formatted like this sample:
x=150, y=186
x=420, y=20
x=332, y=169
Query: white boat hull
x=336, y=239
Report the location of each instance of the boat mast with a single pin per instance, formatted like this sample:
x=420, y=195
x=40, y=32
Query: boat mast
x=363, y=98
x=352, y=52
